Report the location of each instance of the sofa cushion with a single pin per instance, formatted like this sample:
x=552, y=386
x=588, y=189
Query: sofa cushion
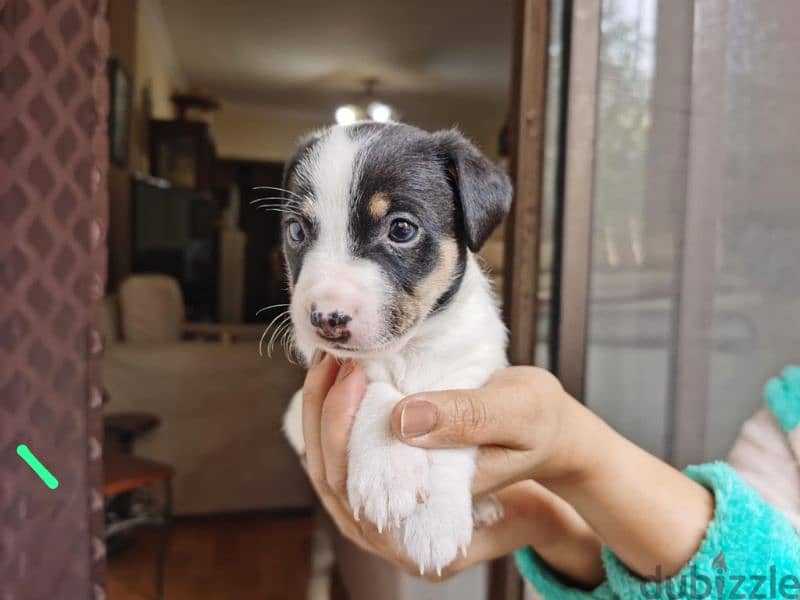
x=151, y=308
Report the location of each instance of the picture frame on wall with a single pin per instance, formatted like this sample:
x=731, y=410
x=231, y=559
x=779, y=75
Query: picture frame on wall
x=119, y=112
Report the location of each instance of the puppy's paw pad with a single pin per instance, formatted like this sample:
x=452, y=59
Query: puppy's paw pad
x=386, y=483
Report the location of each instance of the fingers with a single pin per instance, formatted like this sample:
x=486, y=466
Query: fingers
x=319, y=384
x=498, y=467
x=520, y=408
x=338, y=415
x=457, y=418
x=318, y=381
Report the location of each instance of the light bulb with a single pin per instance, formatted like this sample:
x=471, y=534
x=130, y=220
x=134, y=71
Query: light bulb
x=346, y=115
x=380, y=112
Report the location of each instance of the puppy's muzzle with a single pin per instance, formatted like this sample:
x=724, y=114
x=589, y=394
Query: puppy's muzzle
x=330, y=324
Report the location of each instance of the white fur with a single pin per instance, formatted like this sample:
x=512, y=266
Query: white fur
x=331, y=277
x=459, y=347
x=423, y=496
x=330, y=170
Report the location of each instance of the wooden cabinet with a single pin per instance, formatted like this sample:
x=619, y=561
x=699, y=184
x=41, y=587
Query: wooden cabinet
x=182, y=152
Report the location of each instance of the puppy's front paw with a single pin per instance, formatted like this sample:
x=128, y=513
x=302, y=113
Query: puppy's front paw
x=438, y=530
x=387, y=483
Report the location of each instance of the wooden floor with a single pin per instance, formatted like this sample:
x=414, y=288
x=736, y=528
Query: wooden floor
x=236, y=558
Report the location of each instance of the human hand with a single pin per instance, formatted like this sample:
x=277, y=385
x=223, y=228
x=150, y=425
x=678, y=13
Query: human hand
x=532, y=515
x=526, y=425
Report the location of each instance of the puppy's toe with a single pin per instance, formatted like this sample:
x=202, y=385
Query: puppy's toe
x=436, y=532
x=486, y=511
x=387, y=483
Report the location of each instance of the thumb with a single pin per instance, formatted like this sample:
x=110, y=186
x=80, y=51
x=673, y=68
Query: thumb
x=458, y=418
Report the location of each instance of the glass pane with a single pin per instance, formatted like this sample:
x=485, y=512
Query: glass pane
x=630, y=303
x=756, y=327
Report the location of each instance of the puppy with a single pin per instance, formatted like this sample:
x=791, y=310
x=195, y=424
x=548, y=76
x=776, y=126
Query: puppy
x=380, y=226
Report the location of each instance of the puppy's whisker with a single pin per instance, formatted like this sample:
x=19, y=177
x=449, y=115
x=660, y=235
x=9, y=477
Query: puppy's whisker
x=277, y=189
x=280, y=206
x=260, y=310
x=292, y=209
x=285, y=200
x=292, y=354
x=277, y=207
x=276, y=334
x=284, y=342
x=265, y=202
x=271, y=344
x=284, y=314
x=282, y=211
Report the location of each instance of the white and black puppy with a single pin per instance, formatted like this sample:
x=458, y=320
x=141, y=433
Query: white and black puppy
x=380, y=225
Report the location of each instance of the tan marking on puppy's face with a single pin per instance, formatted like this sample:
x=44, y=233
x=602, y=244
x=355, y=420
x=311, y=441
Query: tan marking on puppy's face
x=437, y=282
x=379, y=206
x=418, y=305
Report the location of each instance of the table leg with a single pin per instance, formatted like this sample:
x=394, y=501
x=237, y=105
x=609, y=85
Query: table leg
x=165, y=533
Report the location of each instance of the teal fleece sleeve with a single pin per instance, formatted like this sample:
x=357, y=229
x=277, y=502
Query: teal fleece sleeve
x=782, y=396
x=549, y=585
x=750, y=550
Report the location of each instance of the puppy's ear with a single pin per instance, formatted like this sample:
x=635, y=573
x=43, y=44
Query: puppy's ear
x=304, y=146
x=483, y=190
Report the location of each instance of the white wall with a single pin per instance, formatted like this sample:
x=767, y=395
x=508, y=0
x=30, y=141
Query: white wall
x=261, y=132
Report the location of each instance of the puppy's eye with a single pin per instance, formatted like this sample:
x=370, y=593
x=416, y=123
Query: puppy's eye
x=402, y=231
x=296, y=233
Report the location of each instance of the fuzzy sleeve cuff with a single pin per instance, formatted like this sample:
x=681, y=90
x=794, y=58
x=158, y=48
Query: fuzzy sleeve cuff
x=782, y=396
x=749, y=550
x=549, y=585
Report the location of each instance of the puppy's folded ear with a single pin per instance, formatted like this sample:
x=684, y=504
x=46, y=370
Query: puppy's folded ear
x=483, y=190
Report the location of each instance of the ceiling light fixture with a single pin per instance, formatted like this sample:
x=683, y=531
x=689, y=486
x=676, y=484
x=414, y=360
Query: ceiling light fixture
x=346, y=114
x=380, y=112
x=369, y=108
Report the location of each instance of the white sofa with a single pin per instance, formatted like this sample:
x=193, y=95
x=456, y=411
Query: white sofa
x=219, y=402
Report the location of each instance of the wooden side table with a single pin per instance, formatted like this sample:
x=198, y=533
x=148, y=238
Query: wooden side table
x=124, y=473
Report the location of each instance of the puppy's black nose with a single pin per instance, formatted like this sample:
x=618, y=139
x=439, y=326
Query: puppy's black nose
x=334, y=319
x=316, y=318
x=332, y=325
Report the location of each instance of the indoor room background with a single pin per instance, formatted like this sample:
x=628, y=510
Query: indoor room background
x=649, y=258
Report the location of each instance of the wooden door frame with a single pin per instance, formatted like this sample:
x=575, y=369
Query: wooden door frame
x=573, y=243
x=531, y=28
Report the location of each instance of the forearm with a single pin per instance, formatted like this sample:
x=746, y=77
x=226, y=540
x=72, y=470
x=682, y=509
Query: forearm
x=649, y=514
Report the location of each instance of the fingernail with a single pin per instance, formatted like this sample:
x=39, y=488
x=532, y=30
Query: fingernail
x=417, y=418
x=345, y=370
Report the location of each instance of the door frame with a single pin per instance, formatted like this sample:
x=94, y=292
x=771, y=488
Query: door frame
x=531, y=37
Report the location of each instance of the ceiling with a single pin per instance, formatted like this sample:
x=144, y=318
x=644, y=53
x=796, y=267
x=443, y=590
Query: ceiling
x=315, y=54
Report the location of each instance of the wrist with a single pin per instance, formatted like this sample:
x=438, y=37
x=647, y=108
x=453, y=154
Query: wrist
x=581, y=440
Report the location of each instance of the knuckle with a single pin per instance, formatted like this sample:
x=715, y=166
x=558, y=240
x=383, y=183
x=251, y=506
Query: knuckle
x=468, y=414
